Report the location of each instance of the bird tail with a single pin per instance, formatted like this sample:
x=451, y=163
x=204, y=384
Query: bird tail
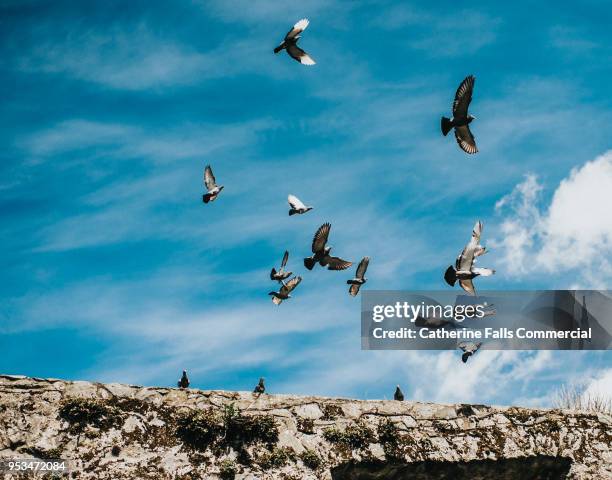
x=309, y=263
x=206, y=198
x=465, y=356
x=292, y=212
x=272, y=273
x=279, y=48
x=352, y=282
x=450, y=276
x=446, y=125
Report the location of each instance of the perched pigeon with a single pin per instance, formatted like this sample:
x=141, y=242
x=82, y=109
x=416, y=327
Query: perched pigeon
x=464, y=269
x=213, y=189
x=469, y=349
x=260, y=387
x=398, y=395
x=359, y=280
x=283, y=293
x=297, y=207
x=281, y=274
x=184, y=381
x=321, y=252
x=461, y=118
x=290, y=44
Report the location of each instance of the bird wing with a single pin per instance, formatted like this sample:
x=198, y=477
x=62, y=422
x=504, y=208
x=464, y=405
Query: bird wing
x=465, y=139
x=354, y=290
x=209, y=178
x=320, y=238
x=335, y=263
x=290, y=285
x=477, y=231
x=285, y=258
x=465, y=261
x=463, y=97
x=468, y=286
x=295, y=202
x=362, y=267
x=300, y=55
x=298, y=28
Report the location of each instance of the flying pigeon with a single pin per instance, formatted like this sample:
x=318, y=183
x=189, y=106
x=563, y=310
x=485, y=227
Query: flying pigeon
x=461, y=118
x=489, y=310
x=464, y=269
x=290, y=43
x=283, y=293
x=320, y=252
x=281, y=274
x=469, y=349
x=359, y=280
x=297, y=207
x=433, y=322
x=213, y=189
x=398, y=395
x=184, y=381
x=260, y=387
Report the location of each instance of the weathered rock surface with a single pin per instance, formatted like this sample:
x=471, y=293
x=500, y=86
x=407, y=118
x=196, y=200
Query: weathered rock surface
x=112, y=431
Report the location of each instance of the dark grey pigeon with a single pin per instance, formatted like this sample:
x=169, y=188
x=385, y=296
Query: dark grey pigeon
x=285, y=290
x=464, y=269
x=211, y=185
x=359, y=280
x=281, y=274
x=398, y=395
x=297, y=207
x=320, y=252
x=469, y=349
x=461, y=118
x=290, y=43
x=434, y=322
x=260, y=387
x=184, y=381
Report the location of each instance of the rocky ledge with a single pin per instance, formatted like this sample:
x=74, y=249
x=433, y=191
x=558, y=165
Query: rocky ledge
x=113, y=431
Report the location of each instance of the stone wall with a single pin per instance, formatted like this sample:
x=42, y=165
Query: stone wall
x=113, y=431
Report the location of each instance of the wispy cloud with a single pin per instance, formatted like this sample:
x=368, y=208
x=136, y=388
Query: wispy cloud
x=457, y=33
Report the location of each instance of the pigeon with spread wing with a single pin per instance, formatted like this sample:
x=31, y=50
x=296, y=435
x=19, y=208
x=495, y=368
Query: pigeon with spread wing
x=297, y=207
x=469, y=349
x=285, y=290
x=461, y=118
x=281, y=274
x=211, y=185
x=464, y=269
x=359, y=280
x=290, y=43
x=320, y=252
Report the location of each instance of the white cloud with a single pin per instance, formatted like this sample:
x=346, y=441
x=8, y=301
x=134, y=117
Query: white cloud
x=600, y=386
x=574, y=233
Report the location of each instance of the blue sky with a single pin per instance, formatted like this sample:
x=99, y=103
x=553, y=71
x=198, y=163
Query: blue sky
x=114, y=270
